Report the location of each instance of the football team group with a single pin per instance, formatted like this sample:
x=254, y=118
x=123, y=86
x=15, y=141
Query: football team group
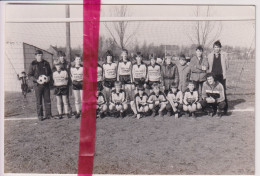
x=130, y=87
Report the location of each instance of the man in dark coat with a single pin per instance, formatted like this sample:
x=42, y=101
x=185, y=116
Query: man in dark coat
x=40, y=68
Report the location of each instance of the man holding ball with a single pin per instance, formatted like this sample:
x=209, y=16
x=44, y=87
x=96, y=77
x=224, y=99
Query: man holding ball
x=41, y=68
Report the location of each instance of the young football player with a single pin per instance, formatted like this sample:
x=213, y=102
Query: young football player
x=213, y=96
x=169, y=74
x=184, y=73
x=139, y=105
x=199, y=66
x=139, y=71
x=60, y=82
x=24, y=83
x=109, y=74
x=157, y=100
x=99, y=78
x=190, y=100
x=124, y=73
x=65, y=66
x=174, y=98
x=77, y=78
x=153, y=73
x=101, y=104
x=118, y=101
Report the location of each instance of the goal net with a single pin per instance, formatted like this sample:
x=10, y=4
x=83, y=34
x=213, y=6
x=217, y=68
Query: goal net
x=161, y=36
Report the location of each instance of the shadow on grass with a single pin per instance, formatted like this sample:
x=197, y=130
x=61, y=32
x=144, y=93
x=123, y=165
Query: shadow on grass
x=233, y=103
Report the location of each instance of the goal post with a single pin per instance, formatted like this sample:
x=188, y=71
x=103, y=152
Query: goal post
x=147, y=34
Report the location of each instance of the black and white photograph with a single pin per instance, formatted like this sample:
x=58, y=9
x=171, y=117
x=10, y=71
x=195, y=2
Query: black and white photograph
x=175, y=88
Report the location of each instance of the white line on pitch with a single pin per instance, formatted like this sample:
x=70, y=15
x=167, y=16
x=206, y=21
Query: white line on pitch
x=35, y=118
x=28, y=118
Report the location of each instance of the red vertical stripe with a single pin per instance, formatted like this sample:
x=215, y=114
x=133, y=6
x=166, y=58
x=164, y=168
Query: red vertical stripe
x=91, y=15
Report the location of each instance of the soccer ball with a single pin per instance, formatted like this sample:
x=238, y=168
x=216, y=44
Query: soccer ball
x=42, y=79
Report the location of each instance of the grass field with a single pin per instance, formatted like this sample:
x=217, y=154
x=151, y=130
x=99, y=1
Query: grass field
x=129, y=146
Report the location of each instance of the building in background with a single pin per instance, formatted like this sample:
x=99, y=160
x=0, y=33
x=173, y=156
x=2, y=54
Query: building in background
x=18, y=57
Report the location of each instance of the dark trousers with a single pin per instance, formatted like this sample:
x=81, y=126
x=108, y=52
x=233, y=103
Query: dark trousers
x=198, y=86
x=220, y=79
x=43, y=92
x=213, y=107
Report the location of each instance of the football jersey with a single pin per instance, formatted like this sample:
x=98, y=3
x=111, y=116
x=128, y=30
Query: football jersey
x=154, y=72
x=110, y=70
x=190, y=97
x=76, y=73
x=99, y=73
x=60, y=78
x=160, y=97
x=139, y=71
x=101, y=99
x=119, y=97
x=124, y=68
x=141, y=100
x=175, y=97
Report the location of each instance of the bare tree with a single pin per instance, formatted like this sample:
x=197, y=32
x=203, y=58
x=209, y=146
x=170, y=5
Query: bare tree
x=205, y=32
x=119, y=31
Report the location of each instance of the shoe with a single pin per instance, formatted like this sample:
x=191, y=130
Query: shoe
x=77, y=116
x=102, y=115
x=138, y=116
x=154, y=114
x=49, y=117
x=169, y=113
x=58, y=117
x=40, y=118
x=219, y=115
x=176, y=115
x=122, y=114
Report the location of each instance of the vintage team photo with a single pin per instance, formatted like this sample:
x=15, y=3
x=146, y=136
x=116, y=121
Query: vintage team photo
x=175, y=89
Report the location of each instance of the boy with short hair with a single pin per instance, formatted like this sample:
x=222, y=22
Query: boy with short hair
x=139, y=71
x=109, y=73
x=174, y=98
x=154, y=73
x=184, y=73
x=199, y=66
x=77, y=79
x=60, y=82
x=169, y=74
x=101, y=104
x=124, y=73
x=190, y=100
x=99, y=78
x=118, y=101
x=139, y=105
x=157, y=100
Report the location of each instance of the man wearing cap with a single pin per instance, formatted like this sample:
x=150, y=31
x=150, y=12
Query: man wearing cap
x=37, y=68
x=218, y=65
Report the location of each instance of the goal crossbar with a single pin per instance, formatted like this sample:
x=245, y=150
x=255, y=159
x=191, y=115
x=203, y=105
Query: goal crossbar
x=117, y=19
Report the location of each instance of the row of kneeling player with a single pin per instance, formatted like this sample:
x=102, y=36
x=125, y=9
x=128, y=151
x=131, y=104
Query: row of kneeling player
x=158, y=103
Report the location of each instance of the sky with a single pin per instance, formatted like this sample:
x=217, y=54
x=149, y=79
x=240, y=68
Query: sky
x=240, y=33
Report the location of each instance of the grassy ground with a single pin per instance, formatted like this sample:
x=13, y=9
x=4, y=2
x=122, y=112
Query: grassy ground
x=130, y=146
